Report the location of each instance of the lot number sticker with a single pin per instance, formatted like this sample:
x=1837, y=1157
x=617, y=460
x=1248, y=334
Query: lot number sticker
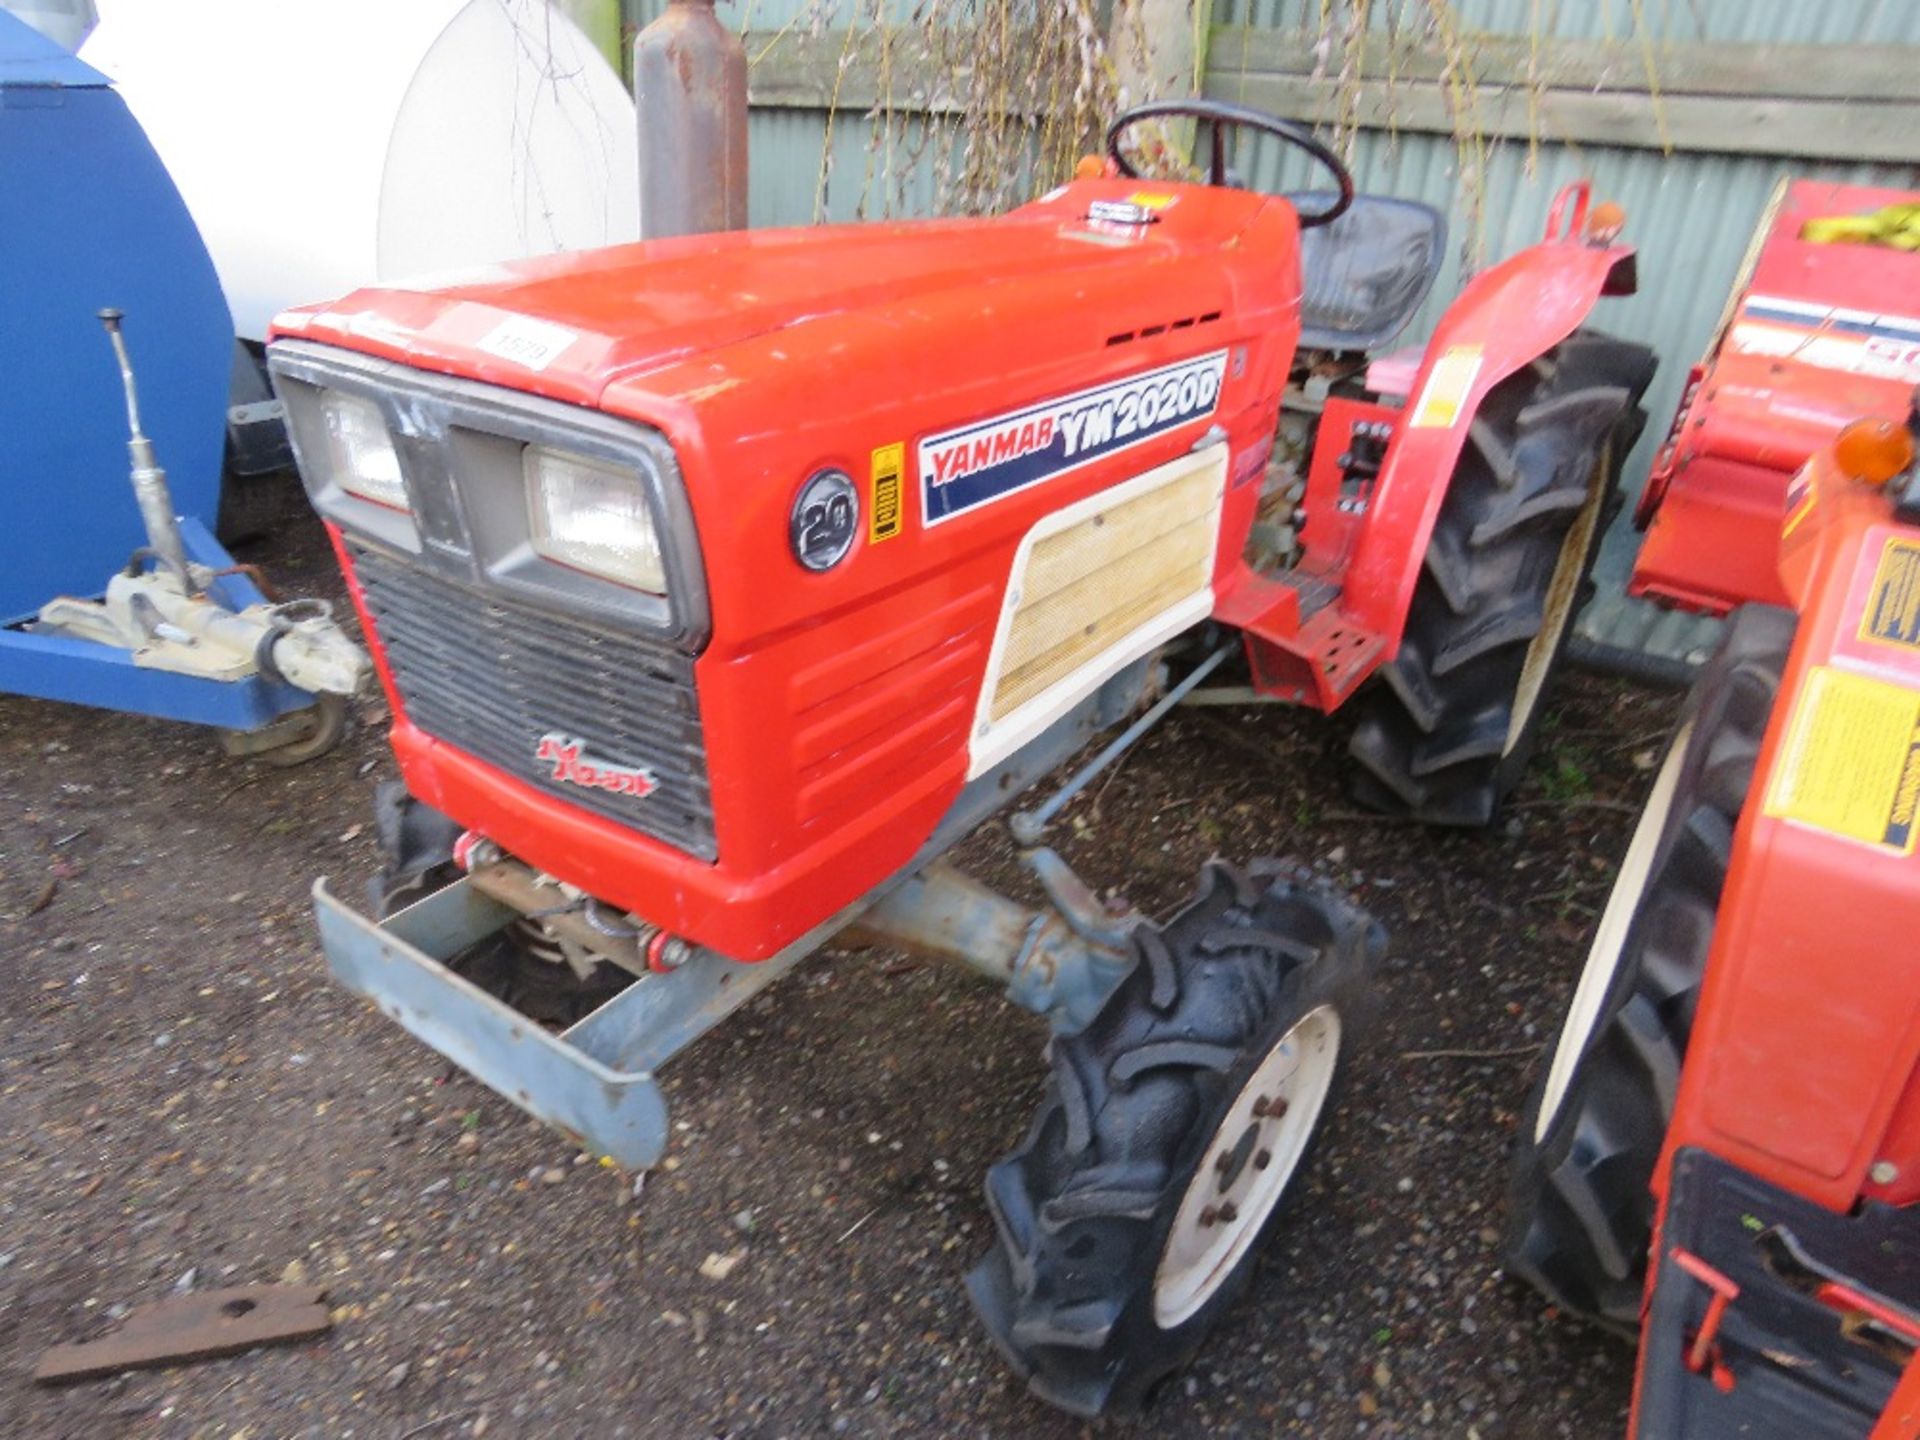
x=529, y=343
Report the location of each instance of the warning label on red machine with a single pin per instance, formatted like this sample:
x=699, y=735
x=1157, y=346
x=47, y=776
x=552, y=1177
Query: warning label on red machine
x=1828, y=337
x=1850, y=765
x=1892, y=612
x=884, y=511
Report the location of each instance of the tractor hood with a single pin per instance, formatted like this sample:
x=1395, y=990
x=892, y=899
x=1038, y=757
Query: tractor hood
x=847, y=436
x=572, y=326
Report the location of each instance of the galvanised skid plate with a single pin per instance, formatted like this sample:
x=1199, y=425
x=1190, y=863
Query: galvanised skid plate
x=594, y=1082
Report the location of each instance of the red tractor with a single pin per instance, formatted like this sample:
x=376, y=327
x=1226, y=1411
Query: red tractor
x=1721, y=1153
x=1822, y=328
x=719, y=585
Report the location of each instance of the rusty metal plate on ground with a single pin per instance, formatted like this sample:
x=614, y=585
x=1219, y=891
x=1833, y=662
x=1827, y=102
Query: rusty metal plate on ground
x=193, y=1327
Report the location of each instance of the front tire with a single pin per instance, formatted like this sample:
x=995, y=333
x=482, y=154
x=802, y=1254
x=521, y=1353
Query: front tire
x=416, y=849
x=1448, y=728
x=1580, y=1211
x=1168, y=1136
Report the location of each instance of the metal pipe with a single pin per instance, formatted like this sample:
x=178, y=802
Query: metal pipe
x=1046, y=966
x=690, y=93
x=946, y=914
x=1029, y=825
x=150, y=490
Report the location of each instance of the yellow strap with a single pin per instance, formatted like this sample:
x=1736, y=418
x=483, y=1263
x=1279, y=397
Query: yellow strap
x=1894, y=225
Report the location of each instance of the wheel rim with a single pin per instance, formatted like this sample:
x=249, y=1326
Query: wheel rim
x=1557, y=611
x=1234, y=1190
x=1610, y=938
x=330, y=713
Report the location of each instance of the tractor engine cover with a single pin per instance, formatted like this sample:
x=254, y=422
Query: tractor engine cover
x=912, y=492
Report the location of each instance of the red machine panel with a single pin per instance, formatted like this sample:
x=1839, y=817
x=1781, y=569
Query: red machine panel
x=1816, y=334
x=1809, y=1025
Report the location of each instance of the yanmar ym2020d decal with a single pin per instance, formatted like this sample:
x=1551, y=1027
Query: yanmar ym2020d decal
x=978, y=463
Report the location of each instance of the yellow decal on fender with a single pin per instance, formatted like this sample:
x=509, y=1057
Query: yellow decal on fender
x=1802, y=495
x=884, y=511
x=1851, y=762
x=1448, y=385
x=1892, y=614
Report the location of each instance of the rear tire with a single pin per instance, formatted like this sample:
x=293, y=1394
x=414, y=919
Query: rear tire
x=1580, y=1211
x=1132, y=1214
x=1448, y=728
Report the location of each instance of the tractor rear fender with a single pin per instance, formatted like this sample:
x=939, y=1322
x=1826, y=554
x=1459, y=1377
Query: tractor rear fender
x=1506, y=318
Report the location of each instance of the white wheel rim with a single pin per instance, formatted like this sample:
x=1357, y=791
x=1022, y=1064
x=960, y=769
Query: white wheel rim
x=1610, y=939
x=1232, y=1193
x=1557, y=610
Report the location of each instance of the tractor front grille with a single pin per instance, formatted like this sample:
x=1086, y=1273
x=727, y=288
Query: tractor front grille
x=495, y=677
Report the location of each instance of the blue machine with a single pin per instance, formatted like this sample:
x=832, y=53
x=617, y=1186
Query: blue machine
x=94, y=221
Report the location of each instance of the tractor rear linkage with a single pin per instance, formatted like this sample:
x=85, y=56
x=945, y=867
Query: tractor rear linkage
x=595, y=1081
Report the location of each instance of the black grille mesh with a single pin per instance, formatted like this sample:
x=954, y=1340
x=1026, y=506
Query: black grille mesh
x=491, y=676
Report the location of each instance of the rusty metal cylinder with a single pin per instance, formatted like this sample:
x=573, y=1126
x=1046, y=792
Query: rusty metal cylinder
x=690, y=82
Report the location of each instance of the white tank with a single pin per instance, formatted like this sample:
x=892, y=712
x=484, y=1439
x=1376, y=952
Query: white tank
x=65, y=22
x=327, y=144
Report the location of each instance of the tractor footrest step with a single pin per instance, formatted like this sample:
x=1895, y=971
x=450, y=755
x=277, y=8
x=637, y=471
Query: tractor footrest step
x=1311, y=654
x=1771, y=1316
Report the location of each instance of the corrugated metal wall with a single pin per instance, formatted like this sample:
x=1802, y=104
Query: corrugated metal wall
x=1690, y=214
x=1826, y=22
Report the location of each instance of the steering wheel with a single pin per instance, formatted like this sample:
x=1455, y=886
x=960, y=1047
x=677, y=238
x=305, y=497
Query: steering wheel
x=1219, y=117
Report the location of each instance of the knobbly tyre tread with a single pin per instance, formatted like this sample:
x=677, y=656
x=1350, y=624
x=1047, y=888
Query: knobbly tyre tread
x=253, y=506
x=1580, y=1215
x=1430, y=741
x=1083, y=1206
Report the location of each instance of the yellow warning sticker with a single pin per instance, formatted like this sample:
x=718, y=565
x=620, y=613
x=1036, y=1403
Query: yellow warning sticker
x=888, y=462
x=1152, y=199
x=1448, y=385
x=1851, y=762
x=1892, y=613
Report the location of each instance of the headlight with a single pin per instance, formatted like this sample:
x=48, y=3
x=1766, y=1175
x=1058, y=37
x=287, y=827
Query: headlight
x=360, y=451
x=593, y=517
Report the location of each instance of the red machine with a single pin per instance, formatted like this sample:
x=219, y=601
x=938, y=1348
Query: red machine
x=1724, y=1146
x=1822, y=328
x=842, y=708
x=720, y=584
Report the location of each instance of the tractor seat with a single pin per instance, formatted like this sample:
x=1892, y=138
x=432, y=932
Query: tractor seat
x=1363, y=276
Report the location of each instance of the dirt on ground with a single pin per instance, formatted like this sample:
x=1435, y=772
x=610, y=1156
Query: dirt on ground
x=189, y=1103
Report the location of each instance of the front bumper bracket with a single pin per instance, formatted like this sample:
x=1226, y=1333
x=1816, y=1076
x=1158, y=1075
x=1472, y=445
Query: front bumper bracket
x=594, y=1081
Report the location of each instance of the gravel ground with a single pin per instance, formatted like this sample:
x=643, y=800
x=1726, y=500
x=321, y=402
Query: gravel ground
x=188, y=1101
